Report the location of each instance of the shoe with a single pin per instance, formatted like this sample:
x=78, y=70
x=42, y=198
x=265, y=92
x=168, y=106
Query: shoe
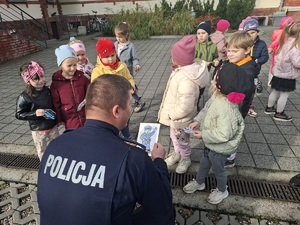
x=139, y=106
x=259, y=87
x=270, y=110
x=172, y=158
x=251, y=112
x=295, y=181
x=216, y=196
x=193, y=186
x=282, y=117
x=230, y=163
x=183, y=165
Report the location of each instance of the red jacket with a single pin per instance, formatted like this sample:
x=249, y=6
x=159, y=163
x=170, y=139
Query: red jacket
x=67, y=94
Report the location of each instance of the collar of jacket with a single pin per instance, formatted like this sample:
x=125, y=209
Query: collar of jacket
x=58, y=76
x=101, y=125
x=245, y=60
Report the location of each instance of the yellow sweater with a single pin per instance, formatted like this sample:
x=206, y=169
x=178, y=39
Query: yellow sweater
x=121, y=70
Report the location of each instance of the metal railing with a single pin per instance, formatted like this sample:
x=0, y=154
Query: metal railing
x=17, y=21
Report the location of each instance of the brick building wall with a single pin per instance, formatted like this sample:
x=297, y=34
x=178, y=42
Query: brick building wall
x=12, y=46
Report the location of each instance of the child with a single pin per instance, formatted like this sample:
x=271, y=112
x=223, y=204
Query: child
x=285, y=71
x=239, y=45
x=68, y=89
x=259, y=52
x=178, y=107
x=275, y=42
x=127, y=54
x=108, y=63
x=220, y=40
x=32, y=105
x=221, y=129
x=206, y=50
x=83, y=63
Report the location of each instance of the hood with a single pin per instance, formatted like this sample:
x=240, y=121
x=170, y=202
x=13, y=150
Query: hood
x=197, y=72
x=217, y=37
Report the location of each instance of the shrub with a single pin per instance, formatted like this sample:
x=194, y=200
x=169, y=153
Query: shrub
x=237, y=10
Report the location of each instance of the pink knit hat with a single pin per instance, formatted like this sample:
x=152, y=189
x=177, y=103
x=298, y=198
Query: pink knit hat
x=223, y=25
x=183, y=51
x=284, y=20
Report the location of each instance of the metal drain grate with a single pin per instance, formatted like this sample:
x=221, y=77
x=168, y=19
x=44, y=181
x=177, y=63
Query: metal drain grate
x=245, y=187
x=19, y=161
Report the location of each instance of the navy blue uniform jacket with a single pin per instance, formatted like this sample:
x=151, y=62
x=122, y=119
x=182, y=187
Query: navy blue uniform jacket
x=90, y=176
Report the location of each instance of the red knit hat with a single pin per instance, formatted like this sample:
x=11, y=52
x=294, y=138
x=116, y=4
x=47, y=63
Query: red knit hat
x=105, y=47
x=223, y=25
x=183, y=51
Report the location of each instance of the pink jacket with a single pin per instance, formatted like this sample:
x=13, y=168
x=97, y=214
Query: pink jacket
x=220, y=40
x=274, y=45
x=287, y=62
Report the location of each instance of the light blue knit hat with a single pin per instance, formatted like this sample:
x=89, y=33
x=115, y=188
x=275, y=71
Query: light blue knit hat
x=63, y=52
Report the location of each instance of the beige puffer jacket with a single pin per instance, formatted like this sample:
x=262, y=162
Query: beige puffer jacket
x=222, y=125
x=179, y=103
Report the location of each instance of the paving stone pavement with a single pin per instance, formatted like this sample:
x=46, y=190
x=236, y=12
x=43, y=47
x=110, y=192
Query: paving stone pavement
x=269, y=150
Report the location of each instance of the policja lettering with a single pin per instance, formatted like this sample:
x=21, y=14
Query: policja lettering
x=57, y=166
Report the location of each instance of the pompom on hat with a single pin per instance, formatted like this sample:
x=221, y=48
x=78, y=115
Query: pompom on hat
x=231, y=80
x=223, y=25
x=287, y=19
x=77, y=45
x=63, y=52
x=105, y=47
x=251, y=24
x=205, y=25
x=183, y=51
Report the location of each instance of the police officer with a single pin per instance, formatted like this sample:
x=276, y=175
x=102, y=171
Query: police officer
x=91, y=176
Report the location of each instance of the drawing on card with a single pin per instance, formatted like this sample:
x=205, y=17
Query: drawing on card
x=148, y=134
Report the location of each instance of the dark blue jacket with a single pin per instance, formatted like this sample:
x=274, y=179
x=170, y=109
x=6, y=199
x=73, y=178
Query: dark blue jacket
x=260, y=52
x=90, y=176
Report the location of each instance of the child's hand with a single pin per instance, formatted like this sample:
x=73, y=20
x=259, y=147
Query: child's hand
x=198, y=134
x=40, y=112
x=137, y=68
x=194, y=125
x=270, y=50
x=177, y=132
x=216, y=62
x=60, y=124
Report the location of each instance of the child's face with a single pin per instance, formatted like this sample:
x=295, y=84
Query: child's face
x=81, y=56
x=253, y=34
x=111, y=59
x=38, y=82
x=121, y=38
x=236, y=54
x=202, y=35
x=69, y=67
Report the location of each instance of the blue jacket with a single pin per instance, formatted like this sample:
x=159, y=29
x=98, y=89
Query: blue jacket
x=90, y=176
x=259, y=52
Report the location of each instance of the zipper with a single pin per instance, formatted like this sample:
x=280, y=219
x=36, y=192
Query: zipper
x=74, y=99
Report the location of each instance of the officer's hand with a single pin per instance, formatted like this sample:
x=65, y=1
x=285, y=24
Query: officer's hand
x=158, y=151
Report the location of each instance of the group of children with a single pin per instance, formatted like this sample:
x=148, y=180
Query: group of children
x=220, y=124
x=63, y=103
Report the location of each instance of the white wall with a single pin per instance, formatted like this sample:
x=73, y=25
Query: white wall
x=12, y=13
x=267, y=3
